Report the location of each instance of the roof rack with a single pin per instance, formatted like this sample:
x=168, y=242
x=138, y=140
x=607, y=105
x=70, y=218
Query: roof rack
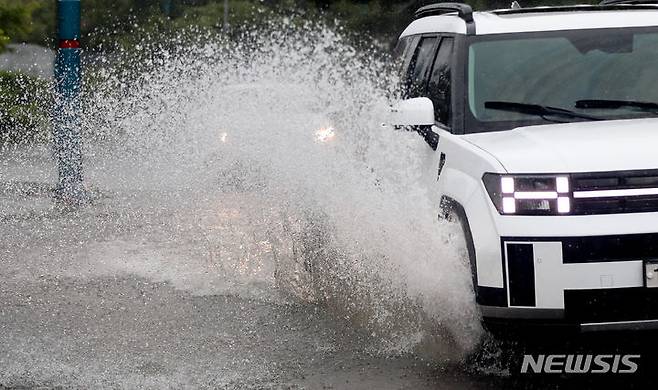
x=623, y=5
x=464, y=11
x=628, y=2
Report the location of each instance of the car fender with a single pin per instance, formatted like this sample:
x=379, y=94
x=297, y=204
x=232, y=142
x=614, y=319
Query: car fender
x=460, y=182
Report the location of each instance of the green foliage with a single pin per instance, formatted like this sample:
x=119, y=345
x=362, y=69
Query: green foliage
x=212, y=13
x=14, y=20
x=34, y=20
x=24, y=103
x=4, y=40
x=42, y=23
x=383, y=19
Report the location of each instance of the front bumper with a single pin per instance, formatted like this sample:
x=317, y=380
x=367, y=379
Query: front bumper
x=588, y=310
x=594, y=278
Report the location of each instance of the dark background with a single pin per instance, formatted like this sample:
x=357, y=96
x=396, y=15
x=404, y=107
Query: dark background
x=32, y=21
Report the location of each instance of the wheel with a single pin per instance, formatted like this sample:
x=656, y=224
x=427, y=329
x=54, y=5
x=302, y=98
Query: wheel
x=452, y=212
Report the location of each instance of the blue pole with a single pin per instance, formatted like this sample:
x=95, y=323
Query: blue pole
x=66, y=132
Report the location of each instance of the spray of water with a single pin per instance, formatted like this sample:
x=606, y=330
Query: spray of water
x=265, y=158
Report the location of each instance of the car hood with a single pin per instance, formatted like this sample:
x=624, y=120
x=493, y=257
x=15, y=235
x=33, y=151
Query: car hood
x=574, y=147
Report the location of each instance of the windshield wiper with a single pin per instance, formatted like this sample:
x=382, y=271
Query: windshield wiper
x=617, y=104
x=538, y=110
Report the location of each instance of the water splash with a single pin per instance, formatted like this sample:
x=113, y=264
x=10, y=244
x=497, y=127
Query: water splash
x=215, y=158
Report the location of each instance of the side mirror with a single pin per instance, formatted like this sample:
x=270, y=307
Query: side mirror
x=413, y=112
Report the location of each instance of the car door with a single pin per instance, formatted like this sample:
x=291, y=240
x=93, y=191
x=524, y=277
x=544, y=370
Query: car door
x=439, y=91
x=429, y=74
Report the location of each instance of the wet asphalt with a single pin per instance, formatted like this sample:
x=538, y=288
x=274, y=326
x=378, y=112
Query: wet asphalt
x=134, y=296
x=133, y=333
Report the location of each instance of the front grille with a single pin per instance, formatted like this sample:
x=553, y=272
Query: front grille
x=598, y=249
x=611, y=305
x=621, y=205
x=615, y=192
x=615, y=180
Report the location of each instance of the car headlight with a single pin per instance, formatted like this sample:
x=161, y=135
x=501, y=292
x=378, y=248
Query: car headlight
x=325, y=134
x=529, y=194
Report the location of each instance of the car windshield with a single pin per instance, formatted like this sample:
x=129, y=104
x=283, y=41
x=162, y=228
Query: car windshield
x=538, y=78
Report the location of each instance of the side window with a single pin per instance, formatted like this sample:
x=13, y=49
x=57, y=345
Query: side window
x=401, y=53
x=439, y=84
x=416, y=78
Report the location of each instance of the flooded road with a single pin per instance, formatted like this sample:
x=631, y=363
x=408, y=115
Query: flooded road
x=145, y=290
x=153, y=291
x=131, y=333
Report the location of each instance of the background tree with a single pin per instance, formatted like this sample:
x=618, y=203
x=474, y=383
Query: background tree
x=34, y=20
x=14, y=20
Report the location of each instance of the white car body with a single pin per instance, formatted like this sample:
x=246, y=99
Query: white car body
x=572, y=259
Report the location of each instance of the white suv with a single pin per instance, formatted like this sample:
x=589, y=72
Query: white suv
x=542, y=126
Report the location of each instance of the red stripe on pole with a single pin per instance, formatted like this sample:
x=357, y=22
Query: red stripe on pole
x=69, y=44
